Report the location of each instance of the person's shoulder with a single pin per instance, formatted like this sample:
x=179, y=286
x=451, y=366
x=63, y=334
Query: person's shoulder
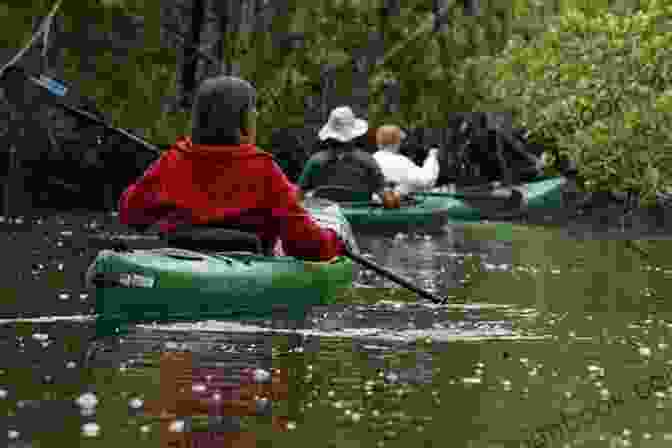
x=364, y=155
x=320, y=156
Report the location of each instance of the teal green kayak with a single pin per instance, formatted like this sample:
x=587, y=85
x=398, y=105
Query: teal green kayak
x=432, y=210
x=176, y=284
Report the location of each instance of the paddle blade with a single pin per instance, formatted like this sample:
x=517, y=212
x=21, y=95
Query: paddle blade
x=51, y=85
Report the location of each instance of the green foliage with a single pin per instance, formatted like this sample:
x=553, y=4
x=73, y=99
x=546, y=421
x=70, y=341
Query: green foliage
x=132, y=80
x=597, y=87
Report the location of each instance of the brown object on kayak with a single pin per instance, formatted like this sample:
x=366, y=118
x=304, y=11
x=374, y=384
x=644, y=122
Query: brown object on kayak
x=391, y=199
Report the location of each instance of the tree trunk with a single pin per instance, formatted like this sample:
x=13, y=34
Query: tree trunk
x=29, y=140
x=190, y=56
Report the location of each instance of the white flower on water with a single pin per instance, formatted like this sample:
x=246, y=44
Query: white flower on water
x=145, y=429
x=261, y=376
x=596, y=370
x=356, y=417
x=87, y=401
x=392, y=377
x=644, y=351
x=91, y=429
x=176, y=426
x=40, y=336
x=135, y=403
x=3, y=394
x=13, y=434
x=200, y=388
x=70, y=365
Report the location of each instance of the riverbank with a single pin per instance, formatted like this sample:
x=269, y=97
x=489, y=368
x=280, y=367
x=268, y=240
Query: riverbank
x=605, y=215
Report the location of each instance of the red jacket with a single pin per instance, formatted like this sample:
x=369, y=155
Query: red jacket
x=195, y=184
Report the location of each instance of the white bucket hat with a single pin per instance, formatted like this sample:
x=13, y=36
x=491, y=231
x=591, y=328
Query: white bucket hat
x=343, y=125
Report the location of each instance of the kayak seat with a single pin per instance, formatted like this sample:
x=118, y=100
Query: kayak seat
x=341, y=193
x=214, y=239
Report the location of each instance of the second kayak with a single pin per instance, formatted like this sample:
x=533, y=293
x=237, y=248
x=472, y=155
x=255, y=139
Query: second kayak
x=431, y=211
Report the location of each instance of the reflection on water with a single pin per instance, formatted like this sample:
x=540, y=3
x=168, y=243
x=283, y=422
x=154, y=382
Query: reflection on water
x=539, y=329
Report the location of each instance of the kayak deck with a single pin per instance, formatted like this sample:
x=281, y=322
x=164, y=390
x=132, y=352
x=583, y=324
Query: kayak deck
x=433, y=210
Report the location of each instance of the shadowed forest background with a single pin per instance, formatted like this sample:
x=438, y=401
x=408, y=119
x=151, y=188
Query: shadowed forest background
x=416, y=63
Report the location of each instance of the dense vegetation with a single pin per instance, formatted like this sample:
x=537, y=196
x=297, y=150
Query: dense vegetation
x=589, y=81
x=598, y=88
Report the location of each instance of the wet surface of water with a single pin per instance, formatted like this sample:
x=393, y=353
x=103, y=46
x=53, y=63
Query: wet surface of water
x=546, y=340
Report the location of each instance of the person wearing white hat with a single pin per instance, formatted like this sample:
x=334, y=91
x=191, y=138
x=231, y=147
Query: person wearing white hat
x=399, y=169
x=343, y=163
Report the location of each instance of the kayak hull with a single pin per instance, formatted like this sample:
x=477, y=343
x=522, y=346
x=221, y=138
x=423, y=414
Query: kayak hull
x=433, y=210
x=169, y=284
x=187, y=285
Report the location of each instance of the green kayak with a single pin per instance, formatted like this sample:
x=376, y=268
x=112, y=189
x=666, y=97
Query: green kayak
x=174, y=283
x=432, y=210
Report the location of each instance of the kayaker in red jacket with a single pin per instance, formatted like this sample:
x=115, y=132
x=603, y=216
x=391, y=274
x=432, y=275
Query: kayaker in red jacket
x=220, y=176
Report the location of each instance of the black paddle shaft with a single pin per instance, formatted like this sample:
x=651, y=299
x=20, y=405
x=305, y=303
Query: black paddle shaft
x=13, y=71
x=394, y=277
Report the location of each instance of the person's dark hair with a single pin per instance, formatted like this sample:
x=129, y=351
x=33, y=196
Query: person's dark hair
x=222, y=107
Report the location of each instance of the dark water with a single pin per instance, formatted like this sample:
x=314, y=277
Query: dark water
x=542, y=330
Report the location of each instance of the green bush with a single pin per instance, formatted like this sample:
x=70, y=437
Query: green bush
x=598, y=87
